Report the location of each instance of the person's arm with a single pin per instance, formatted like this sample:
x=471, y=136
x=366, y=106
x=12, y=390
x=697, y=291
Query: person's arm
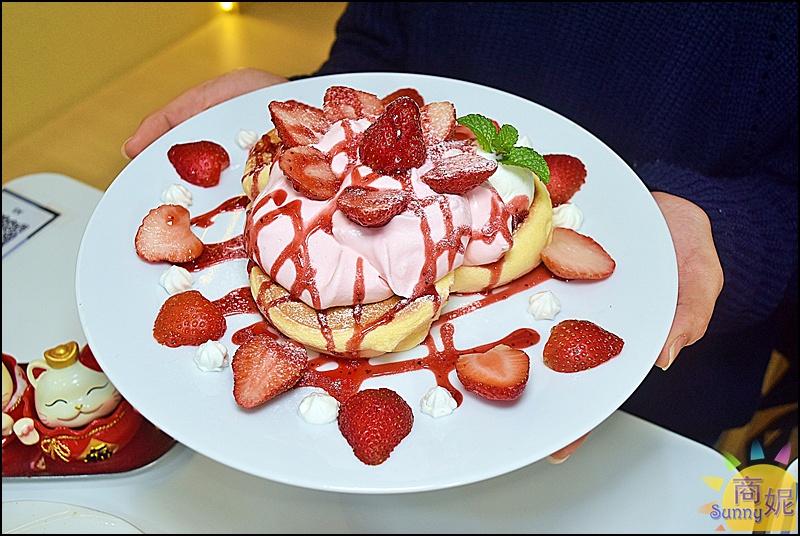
x=754, y=222
x=195, y=100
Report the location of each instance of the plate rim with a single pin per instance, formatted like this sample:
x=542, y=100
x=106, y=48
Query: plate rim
x=324, y=81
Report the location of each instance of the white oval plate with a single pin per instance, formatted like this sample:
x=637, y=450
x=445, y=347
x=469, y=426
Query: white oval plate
x=44, y=517
x=119, y=296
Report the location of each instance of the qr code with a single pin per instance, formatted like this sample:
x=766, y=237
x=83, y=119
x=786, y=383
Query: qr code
x=12, y=228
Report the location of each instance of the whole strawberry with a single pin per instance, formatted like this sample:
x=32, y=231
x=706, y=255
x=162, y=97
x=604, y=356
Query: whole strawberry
x=188, y=319
x=576, y=345
x=567, y=175
x=199, y=162
x=394, y=142
x=374, y=422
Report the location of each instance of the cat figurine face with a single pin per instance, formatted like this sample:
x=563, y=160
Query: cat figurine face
x=68, y=393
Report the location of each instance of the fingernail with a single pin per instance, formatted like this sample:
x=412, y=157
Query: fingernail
x=556, y=461
x=679, y=343
x=122, y=150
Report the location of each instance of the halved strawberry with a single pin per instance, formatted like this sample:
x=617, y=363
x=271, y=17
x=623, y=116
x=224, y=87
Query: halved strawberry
x=438, y=122
x=342, y=102
x=405, y=92
x=188, y=319
x=576, y=345
x=298, y=123
x=264, y=367
x=374, y=422
x=567, y=175
x=500, y=373
x=309, y=171
x=394, y=143
x=199, y=162
x=371, y=207
x=457, y=171
x=166, y=235
x=572, y=255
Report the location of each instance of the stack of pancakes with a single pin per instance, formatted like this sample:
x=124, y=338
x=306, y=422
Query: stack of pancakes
x=394, y=324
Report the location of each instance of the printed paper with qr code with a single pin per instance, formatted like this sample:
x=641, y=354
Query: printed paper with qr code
x=22, y=218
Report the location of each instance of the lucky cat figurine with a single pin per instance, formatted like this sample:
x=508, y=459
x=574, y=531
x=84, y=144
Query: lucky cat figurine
x=67, y=392
x=81, y=415
x=15, y=397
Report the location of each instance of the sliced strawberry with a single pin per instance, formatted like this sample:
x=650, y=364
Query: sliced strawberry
x=438, y=122
x=342, y=102
x=567, y=175
x=188, y=319
x=498, y=374
x=374, y=422
x=576, y=345
x=166, y=235
x=298, y=123
x=405, y=92
x=371, y=207
x=572, y=255
x=463, y=133
x=264, y=367
x=199, y=162
x=457, y=171
x=394, y=143
x=309, y=171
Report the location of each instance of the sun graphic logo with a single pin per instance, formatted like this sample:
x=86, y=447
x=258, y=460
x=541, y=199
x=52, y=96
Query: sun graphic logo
x=758, y=498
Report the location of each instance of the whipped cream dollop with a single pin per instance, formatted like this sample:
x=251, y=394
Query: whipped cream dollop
x=177, y=194
x=211, y=356
x=514, y=184
x=319, y=408
x=325, y=259
x=544, y=305
x=438, y=402
x=176, y=279
x=246, y=138
x=568, y=215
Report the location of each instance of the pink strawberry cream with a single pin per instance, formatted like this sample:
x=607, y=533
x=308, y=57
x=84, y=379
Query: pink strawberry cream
x=320, y=256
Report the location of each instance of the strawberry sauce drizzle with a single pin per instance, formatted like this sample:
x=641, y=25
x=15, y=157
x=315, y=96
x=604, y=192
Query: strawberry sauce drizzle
x=236, y=302
x=262, y=326
x=217, y=253
x=231, y=205
x=528, y=281
x=347, y=377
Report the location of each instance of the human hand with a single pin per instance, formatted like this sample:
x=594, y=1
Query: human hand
x=195, y=100
x=700, y=281
x=700, y=275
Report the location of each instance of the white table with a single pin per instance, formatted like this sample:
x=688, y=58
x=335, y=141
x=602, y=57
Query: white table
x=629, y=477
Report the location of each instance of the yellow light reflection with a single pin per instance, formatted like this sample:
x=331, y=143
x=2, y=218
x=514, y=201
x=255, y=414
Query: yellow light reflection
x=228, y=6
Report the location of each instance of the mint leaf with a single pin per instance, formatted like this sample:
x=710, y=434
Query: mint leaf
x=501, y=143
x=505, y=139
x=482, y=127
x=527, y=158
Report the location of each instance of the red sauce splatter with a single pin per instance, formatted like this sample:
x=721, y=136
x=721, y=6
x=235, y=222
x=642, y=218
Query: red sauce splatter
x=339, y=376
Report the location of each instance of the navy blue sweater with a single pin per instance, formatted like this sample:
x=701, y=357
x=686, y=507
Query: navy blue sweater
x=700, y=99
